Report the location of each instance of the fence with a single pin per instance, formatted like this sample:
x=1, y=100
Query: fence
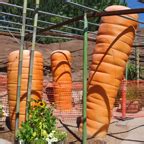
x=134, y=90
x=71, y=115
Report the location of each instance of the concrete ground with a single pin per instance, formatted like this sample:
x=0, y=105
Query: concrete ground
x=121, y=131
x=3, y=141
x=128, y=131
x=136, y=132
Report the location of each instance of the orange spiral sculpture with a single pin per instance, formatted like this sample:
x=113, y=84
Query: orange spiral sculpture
x=37, y=82
x=61, y=70
x=113, y=46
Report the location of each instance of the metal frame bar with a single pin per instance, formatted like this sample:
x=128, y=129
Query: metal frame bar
x=2, y=30
x=17, y=34
x=15, y=23
x=90, y=15
x=79, y=37
x=45, y=22
x=52, y=33
x=46, y=13
x=83, y=7
x=18, y=29
x=139, y=35
x=130, y=18
x=63, y=32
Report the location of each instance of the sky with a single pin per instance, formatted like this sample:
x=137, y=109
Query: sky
x=136, y=4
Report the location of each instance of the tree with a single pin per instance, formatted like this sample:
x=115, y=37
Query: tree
x=61, y=8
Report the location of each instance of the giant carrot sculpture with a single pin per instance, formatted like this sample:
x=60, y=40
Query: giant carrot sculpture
x=61, y=70
x=113, y=46
x=37, y=82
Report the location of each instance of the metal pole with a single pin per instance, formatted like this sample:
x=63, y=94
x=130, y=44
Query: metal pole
x=32, y=60
x=137, y=63
x=126, y=72
x=124, y=99
x=124, y=93
x=85, y=63
x=20, y=65
x=138, y=69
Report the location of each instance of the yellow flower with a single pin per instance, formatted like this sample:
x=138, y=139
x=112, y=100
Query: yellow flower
x=42, y=103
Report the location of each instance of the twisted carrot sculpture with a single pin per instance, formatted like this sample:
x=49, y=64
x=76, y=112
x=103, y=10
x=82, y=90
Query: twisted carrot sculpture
x=113, y=46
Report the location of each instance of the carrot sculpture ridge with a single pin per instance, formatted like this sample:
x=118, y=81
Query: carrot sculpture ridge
x=37, y=82
x=113, y=46
x=61, y=70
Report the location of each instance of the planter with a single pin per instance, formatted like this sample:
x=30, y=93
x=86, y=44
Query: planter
x=132, y=106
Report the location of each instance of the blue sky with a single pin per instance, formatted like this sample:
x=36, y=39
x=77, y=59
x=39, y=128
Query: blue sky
x=136, y=4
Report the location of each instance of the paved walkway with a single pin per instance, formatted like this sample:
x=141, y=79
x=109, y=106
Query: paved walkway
x=126, y=132
x=3, y=141
x=120, y=132
x=135, y=131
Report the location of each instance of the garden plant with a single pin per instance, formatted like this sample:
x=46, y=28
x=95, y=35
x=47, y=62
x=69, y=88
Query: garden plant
x=40, y=127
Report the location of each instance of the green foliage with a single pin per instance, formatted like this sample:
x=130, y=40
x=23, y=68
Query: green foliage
x=40, y=126
x=61, y=8
x=131, y=71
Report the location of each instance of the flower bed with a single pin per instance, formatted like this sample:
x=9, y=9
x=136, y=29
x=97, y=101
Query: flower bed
x=40, y=128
